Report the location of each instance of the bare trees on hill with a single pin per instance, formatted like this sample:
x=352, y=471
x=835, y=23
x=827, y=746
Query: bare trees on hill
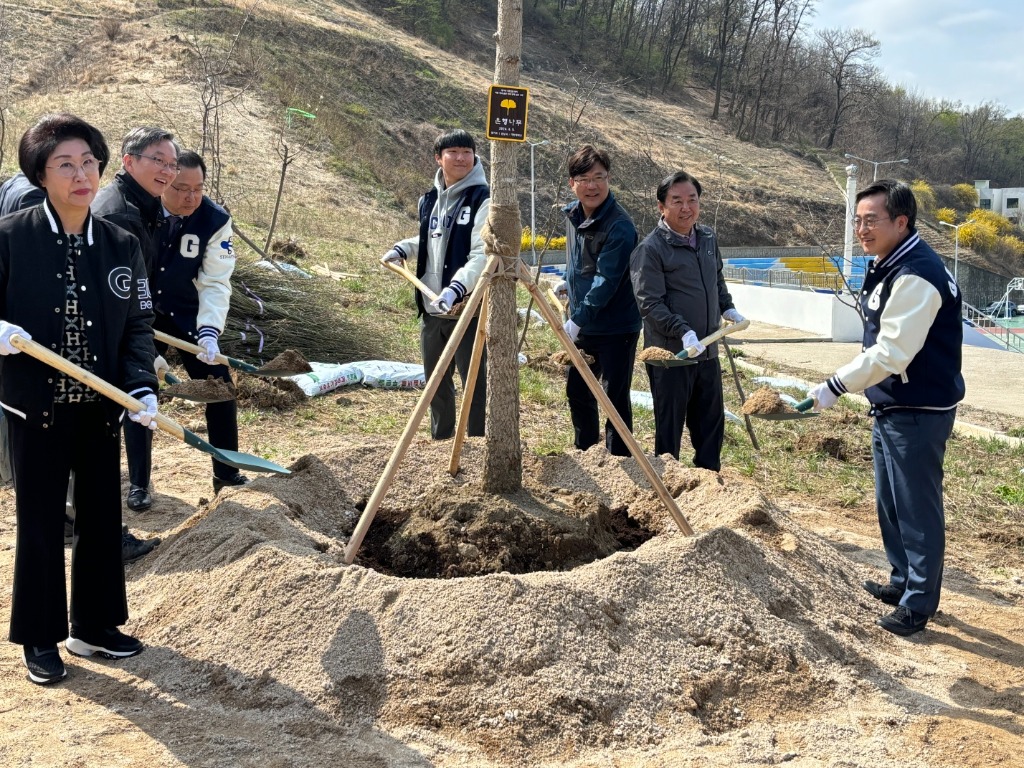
x=773, y=78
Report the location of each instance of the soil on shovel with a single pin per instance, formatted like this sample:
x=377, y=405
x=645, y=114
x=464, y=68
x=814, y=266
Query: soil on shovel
x=655, y=353
x=765, y=400
x=288, y=361
x=211, y=389
x=279, y=394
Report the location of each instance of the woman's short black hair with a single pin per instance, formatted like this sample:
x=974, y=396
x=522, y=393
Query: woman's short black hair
x=41, y=140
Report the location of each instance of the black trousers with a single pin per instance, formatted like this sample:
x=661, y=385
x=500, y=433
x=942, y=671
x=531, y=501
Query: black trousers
x=690, y=394
x=221, y=420
x=81, y=439
x=614, y=356
x=434, y=335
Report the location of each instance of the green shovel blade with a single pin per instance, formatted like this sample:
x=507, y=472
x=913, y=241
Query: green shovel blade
x=234, y=458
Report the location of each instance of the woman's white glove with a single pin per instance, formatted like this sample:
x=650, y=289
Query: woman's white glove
x=160, y=365
x=823, y=396
x=6, y=331
x=210, y=349
x=147, y=416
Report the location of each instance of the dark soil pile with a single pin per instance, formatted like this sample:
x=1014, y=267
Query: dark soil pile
x=210, y=390
x=288, y=362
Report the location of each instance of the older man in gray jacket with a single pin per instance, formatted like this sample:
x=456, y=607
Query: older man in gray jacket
x=677, y=278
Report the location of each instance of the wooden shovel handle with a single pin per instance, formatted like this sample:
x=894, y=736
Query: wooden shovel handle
x=404, y=272
x=92, y=381
x=723, y=331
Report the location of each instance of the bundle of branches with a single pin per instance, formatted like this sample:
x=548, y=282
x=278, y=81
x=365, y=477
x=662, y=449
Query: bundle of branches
x=273, y=311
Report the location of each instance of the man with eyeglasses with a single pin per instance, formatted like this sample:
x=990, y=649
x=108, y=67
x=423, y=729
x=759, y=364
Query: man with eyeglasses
x=191, y=285
x=677, y=276
x=603, y=320
x=909, y=370
x=149, y=160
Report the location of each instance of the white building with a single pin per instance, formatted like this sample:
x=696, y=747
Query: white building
x=1006, y=202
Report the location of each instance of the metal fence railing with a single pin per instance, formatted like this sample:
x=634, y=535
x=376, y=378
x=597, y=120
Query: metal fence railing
x=826, y=282
x=996, y=328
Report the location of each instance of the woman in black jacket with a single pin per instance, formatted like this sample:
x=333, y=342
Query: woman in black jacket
x=76, y=285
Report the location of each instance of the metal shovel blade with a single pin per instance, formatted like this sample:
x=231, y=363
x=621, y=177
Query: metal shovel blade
x=234, y=458
x=672, y=362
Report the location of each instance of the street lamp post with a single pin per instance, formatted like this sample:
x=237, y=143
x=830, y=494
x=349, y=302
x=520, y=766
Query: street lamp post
x=533, y=196
x=876, y=163
x=956, y=243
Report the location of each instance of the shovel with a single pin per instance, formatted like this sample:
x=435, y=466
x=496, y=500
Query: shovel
x=238, y=365
x=231, y=458
x=403, y=271
x=685, y=357
x=801, y=412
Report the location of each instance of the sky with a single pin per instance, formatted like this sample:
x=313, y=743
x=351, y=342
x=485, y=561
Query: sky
x=970, y=52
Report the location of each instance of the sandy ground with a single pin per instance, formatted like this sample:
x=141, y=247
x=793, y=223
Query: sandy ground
x=750, y=643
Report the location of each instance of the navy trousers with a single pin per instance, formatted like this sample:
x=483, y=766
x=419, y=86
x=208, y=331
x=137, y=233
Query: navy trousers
x=690, y=394
x=614, y=355
x=908, y=448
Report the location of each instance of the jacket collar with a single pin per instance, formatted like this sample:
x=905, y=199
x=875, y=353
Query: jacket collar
x=675, y=239
x=58, y=228
x=150, y=207
x=900, y=250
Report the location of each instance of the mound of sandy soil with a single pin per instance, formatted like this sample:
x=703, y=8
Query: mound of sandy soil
x=250, y=607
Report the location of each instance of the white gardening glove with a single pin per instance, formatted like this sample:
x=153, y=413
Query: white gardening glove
x=160, y=365
x=572, y=329
x=147, y=416
x=733, y=316
x=823, y=396
x=210, y=350
x=562, y=290
x=690, y=340
x=394, y=256
x=6, y=331
x=445, y=301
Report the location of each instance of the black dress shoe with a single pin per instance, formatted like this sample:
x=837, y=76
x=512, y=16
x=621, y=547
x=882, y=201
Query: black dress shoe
x=887, y=593
x=237, y=479
x=133, y=548
x=139, y=499
x=903, y=622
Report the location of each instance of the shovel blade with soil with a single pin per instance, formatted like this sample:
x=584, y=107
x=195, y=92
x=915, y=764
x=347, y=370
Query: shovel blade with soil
x=209, y=391
x=767, y=404
x=288, y=363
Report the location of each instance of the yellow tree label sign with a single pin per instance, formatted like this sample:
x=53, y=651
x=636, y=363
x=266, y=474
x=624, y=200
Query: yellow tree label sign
x=506, y=113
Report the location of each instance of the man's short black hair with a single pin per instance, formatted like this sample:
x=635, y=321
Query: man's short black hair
x=899, y=199
x=453, y=138
x=585, y=158
x=40, y=141
x=190, y=159
x=679, y=177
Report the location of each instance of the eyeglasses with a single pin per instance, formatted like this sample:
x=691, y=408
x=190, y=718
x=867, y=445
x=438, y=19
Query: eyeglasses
x=868, y=222
x=596, y=181
x=186, y=191
x=69, y=170
x=172, y=166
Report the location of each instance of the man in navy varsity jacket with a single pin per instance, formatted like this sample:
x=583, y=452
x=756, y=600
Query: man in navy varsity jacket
x=449, y=252
x=909, y=370
x=191, y=284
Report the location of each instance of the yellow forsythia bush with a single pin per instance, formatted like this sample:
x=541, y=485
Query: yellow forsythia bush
x=924, y=193
x=1001, y=224
x=1011, y=244
x=947, y=215
x=966, y=195
x=979, y=235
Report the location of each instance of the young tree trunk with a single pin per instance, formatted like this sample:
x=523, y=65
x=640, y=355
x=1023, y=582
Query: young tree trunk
x=503, y=458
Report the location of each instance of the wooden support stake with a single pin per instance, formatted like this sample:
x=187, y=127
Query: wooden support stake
x=606, y=404
x=479, y=343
